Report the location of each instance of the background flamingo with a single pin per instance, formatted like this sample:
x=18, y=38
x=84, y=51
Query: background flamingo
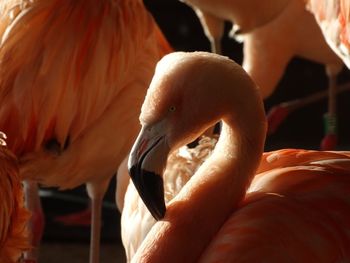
x=273, y=33
x=73, y=75
x=284, y=216
x=13, y=215
x=333, y=17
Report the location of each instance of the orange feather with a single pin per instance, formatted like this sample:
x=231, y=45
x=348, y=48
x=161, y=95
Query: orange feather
x=13, y=215
x=333, y=16
x=73, y=75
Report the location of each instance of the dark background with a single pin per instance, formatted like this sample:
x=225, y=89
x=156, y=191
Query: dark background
x=302, y=129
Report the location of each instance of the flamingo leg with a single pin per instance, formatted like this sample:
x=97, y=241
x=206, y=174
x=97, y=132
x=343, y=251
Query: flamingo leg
x=36, y=223
x=213, y=28
x=332, y=92
x=96, y=192
x=215, y=46
x=278, y=113
x=329, y=141
x=95, y=230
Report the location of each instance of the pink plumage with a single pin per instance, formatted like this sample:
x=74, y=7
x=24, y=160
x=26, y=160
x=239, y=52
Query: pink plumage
x=241, y=205
x=333, y=17
x=14, y=239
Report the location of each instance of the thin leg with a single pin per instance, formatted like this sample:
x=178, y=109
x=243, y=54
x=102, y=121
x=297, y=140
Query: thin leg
x=213, y=29
x=37, y=221
x=331, y=93
x=95, y=230
x=278, y=113
x=96, y=192
x=329, y=142
x=215, y=45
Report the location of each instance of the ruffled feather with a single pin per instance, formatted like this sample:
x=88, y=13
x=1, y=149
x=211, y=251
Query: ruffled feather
x=74, y=72
x=13, y=215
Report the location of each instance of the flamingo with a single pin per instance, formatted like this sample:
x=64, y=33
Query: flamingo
x=333, y=19
x=13, y=215
x=73, y=75
x=274, y=32
x=241, y=205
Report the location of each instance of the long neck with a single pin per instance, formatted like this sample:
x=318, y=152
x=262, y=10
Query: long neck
x=203, y=205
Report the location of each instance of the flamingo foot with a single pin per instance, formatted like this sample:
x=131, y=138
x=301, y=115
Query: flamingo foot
x=81, y=218
x=275, y=117
x=329, y=142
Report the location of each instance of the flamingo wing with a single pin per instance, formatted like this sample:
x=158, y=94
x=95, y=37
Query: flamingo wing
x=291, y=157
x=300, y=209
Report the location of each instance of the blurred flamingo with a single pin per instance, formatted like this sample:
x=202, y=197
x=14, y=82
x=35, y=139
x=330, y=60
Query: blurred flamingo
x=333, y=16
x=273, y=33
x=73, y=75
x=296, y=208
x=13, y=215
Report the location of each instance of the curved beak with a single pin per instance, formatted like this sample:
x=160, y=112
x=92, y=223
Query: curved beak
x=146, y=164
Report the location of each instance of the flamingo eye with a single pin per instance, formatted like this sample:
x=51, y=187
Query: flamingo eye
x=172, y=108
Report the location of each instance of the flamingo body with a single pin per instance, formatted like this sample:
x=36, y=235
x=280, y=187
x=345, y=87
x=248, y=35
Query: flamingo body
x=294, y=211
x=273, y=33
x=288, y=185
x=333, y=17
x=239, y=199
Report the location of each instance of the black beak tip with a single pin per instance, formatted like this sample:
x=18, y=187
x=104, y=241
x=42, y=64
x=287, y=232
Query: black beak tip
x=151, y=190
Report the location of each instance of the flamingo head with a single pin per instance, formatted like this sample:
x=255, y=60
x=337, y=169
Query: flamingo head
x=175, y=112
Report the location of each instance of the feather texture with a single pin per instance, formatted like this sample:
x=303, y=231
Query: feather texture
x=240, y=205
x=308, y=188
x=78, y=79
x=333, y=17
x=136, y=220
x=13, y=215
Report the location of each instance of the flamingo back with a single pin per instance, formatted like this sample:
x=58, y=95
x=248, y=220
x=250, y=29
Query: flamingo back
x=300, y=208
